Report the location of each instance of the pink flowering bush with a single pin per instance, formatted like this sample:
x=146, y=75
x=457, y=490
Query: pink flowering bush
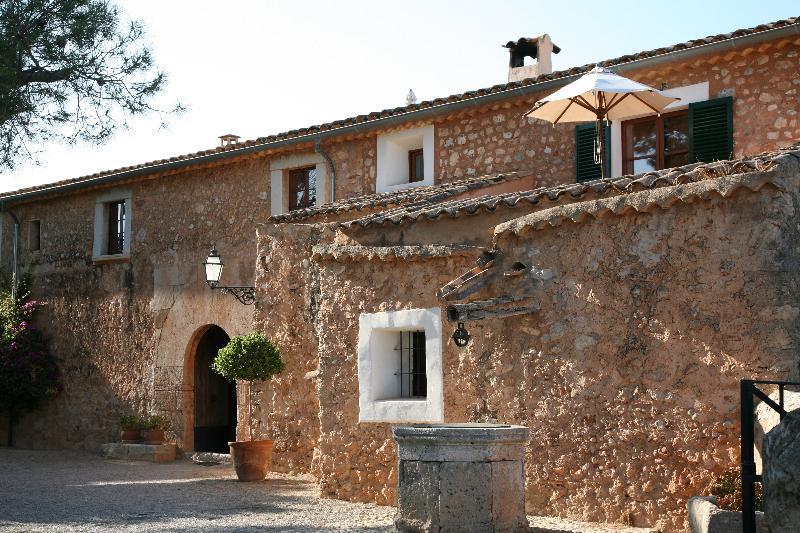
x=29, y=373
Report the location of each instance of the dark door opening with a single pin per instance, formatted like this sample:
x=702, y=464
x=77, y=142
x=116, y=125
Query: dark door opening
x=214, y=397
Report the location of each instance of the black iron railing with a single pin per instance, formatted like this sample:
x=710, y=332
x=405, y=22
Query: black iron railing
x=749, y=391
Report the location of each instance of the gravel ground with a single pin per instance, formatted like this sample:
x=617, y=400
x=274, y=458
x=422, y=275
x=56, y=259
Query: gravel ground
x=72, y=491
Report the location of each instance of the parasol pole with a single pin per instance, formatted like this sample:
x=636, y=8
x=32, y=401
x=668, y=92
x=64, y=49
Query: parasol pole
x=600, y=131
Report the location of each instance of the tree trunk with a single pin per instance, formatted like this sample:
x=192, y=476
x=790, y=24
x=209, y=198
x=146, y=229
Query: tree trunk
x=250, y=410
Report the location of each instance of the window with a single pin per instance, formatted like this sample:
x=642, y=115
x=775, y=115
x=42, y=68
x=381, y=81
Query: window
x=693, y=129
x=416, y=165
x=411, y=354
x=655, y=143
x=283, y=195
x=400, y=366
x=302, y=188
x=34, y=235
x=405, y=159
x=112, y=226
x=116, y=227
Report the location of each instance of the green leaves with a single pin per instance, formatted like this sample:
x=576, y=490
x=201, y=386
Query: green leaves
x=248, y=357
x=70, y=70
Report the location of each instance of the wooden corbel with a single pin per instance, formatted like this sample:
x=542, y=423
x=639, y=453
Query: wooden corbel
x=499, y=307
x=470, y=281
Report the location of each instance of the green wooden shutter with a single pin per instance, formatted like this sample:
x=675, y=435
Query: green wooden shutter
x=586, y=168
x=711, y=130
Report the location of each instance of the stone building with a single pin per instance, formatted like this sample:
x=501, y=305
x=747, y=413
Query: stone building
x=620, y=313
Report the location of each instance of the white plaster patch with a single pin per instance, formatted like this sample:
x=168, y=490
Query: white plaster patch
x=376, y=367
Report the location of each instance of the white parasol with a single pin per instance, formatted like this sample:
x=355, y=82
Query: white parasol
x=600, y=95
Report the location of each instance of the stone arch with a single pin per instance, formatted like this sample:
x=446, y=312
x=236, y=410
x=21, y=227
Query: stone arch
x=189, y=316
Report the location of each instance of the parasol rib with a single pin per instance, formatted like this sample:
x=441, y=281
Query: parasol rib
x=571, y=101
x=581, y=101
x=656, y=111
x=615, y=102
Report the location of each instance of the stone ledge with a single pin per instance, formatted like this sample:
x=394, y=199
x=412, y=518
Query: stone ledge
x=209, y=457
x=161, y=453
x=706, y=517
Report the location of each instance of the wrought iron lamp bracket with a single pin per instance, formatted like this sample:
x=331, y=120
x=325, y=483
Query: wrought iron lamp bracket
x=245, y=295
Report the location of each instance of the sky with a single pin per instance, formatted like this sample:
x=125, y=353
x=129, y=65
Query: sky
x=255, y=68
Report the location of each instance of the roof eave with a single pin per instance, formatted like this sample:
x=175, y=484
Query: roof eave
x=733, y=43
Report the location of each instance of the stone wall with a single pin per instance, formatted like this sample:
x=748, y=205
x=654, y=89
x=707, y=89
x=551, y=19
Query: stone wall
x=121, y=330
x=627, y=377
x=287, y=409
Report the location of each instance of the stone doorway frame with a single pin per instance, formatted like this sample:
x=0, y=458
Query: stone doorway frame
x=183, y=325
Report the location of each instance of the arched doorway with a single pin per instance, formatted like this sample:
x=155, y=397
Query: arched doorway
x=214, y=396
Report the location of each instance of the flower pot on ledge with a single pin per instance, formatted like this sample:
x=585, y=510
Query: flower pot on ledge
x=251, y=459
x=153, y=436
x=130, y=436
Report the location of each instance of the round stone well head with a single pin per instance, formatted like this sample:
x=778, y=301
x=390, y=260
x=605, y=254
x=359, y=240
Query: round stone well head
x=464, y=475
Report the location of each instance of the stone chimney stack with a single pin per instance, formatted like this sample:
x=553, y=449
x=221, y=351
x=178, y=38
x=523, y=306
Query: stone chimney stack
x=540, y=48
x=228, y=139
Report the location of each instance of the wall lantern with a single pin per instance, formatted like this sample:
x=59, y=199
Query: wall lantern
x=213, y=265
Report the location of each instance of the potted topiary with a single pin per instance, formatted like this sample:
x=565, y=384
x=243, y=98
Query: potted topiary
x=131, y=426
x=249, y=357
x=153, y=428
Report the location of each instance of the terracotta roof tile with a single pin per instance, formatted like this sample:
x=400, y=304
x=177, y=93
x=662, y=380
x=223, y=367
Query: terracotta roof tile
x=433, y=208
x=296, y=133
x=409, y=197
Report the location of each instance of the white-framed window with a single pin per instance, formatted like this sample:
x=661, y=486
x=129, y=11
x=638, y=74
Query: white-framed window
x=400, y=366
x=297, y=181
x=405, y=159
x=112, y=226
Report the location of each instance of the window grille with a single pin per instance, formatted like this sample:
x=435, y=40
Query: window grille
x=116, y=227
x=413, y=381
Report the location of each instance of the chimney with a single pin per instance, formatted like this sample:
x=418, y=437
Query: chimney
x=540, y=48
x=228, y=139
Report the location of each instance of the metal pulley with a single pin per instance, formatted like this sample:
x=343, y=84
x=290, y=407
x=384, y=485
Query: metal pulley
x=461, y=335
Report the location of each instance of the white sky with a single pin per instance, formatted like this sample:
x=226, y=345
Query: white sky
x=255, y=68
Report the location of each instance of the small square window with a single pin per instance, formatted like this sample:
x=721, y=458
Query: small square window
x=34, y=235
x=400, y=366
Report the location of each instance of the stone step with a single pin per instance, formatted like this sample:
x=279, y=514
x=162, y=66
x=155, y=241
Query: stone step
x=156, y=453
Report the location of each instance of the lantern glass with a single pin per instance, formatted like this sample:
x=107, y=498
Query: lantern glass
x=213, y=264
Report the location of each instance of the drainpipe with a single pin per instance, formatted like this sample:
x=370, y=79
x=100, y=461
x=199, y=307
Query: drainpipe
x=318, y=149
x=14, y=248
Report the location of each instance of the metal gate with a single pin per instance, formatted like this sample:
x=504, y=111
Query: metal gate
x=749, y=390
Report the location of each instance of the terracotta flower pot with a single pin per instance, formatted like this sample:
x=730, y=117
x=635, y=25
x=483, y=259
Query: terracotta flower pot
x=251, y=459
x=130, y=436
x=153, y=436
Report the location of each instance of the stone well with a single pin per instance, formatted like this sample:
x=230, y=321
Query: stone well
x=461, y=477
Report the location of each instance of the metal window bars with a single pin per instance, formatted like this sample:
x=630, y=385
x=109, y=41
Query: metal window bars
x=413, y=380
x=748, y=391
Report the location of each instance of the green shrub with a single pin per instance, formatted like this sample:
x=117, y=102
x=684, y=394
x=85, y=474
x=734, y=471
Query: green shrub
x=728, y=490
x=155, y=422
x=128, y=422
x=248, y=357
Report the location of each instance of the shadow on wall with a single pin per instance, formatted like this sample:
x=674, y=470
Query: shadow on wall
x=102, y=340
